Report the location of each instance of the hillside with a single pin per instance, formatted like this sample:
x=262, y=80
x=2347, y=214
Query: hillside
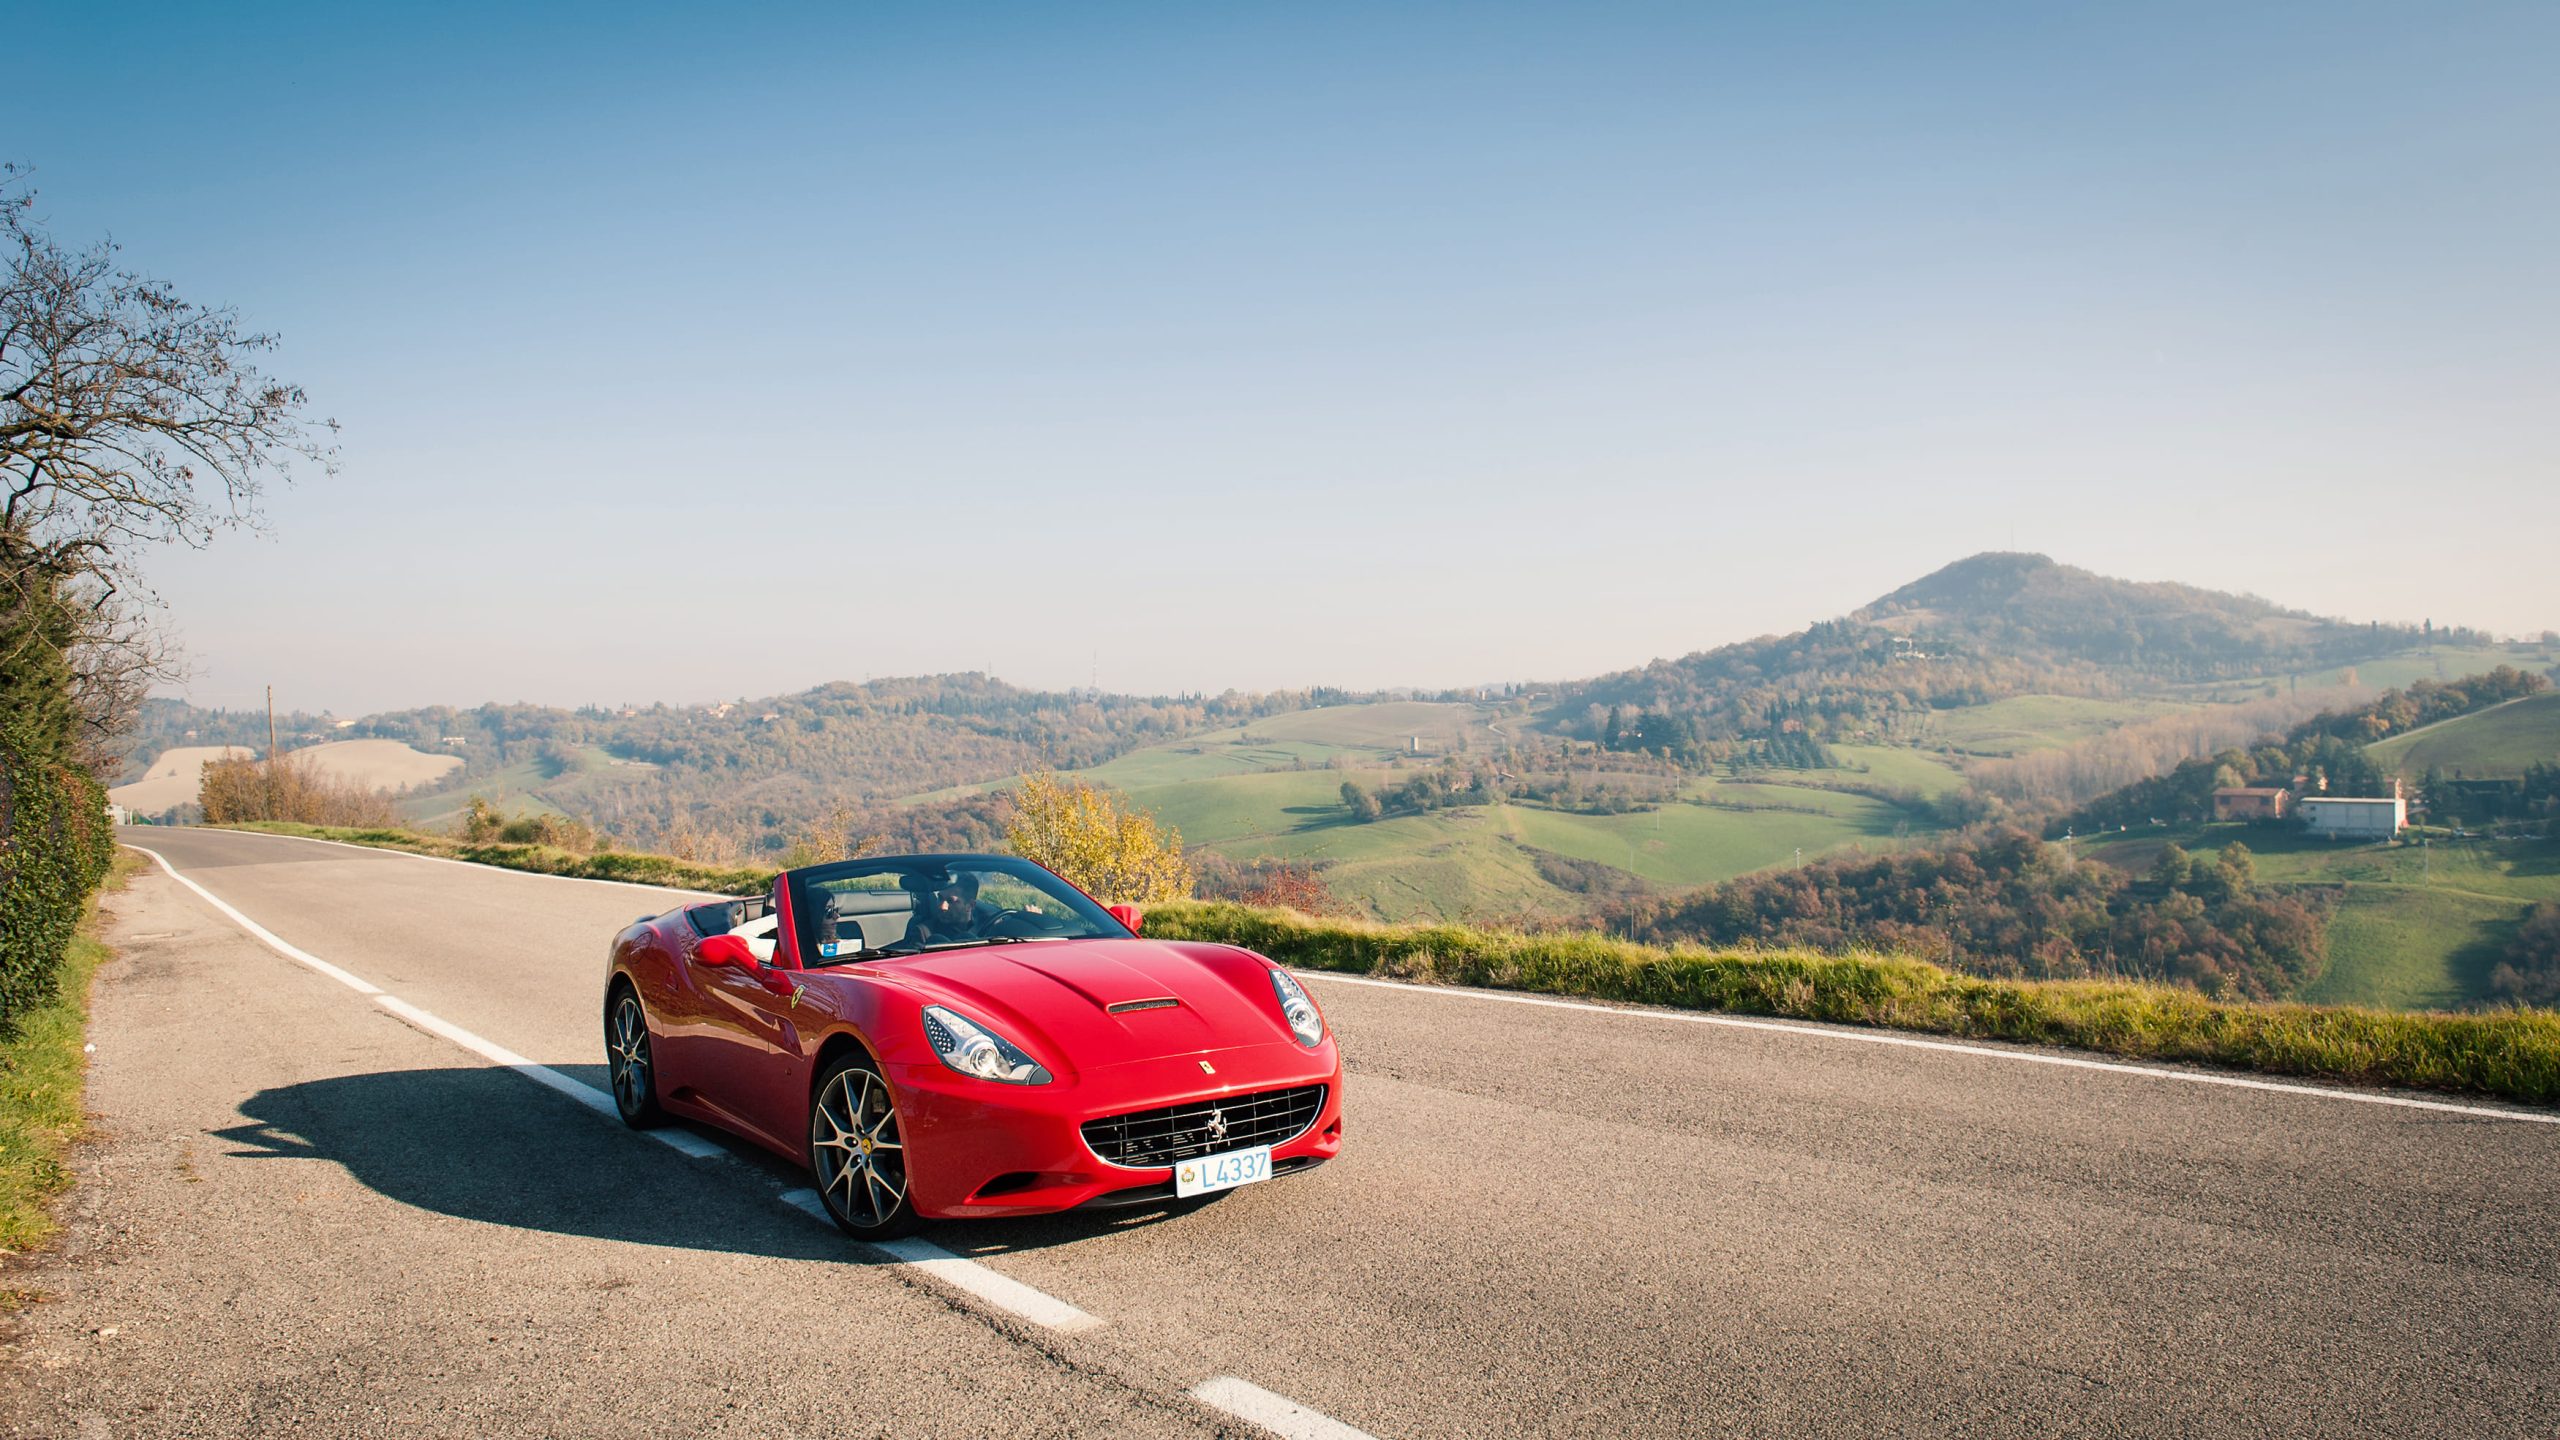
x=173, y=779
x=2498, y=743
x=2410, y=926
x=1982, y=630
x=1998, y=681
x=2030, y=605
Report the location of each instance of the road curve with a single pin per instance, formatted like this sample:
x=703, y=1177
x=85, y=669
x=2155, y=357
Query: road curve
x=1545, y=1221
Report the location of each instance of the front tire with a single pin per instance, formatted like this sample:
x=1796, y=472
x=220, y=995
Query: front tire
x=628, y=1061
x=857, y=1151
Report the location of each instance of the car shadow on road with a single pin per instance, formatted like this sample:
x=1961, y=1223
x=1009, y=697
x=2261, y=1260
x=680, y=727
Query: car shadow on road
x=489, y=1145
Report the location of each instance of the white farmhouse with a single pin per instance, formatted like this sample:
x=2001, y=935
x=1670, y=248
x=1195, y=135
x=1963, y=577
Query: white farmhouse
x=2340, y=818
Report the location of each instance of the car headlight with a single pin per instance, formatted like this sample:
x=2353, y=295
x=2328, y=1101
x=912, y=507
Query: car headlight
x=1304, y=1022
x=973, y=1049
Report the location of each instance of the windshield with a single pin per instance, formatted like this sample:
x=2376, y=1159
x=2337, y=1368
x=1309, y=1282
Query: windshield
x=911, y=905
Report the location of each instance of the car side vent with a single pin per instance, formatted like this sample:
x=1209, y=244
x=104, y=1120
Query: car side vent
x=1125, y=1006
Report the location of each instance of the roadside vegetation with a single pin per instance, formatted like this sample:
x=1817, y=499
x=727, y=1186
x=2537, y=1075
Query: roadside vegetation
x=2512, y=1054
x=128, y=416
x=238, y=789
x=43, y=1075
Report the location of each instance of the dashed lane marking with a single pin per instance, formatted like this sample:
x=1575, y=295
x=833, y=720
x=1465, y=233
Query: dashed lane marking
x=1001, y=1291
x=1278, y=1414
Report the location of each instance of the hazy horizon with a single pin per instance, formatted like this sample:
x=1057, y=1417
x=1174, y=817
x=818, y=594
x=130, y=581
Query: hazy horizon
x=685, y=356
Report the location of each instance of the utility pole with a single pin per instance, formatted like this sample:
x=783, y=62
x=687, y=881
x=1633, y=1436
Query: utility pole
x=271, y=752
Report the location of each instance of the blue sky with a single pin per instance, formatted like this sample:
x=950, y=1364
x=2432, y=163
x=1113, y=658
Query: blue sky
x=688, y=352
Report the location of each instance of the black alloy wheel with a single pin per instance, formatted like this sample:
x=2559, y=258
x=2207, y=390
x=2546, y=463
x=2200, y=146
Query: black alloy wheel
x=626, y=1053
x=856, y=1151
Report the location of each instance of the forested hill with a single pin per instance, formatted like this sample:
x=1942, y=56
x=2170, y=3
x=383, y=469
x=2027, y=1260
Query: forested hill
x=742, y=764
x=1979, y=630
x=2031, y=606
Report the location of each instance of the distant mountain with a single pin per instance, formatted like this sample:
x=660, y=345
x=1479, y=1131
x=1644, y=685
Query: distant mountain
x=1982, y=629
x=2030, y=605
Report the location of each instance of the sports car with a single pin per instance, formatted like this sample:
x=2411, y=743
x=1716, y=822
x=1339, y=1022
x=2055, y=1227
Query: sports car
x=940, y=1036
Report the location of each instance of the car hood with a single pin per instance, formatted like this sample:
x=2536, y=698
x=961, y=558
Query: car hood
x=1058, y=996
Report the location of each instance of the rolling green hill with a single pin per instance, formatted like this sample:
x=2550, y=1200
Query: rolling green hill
x=1997, y=680
x=2414, y=926
x=2495, y=743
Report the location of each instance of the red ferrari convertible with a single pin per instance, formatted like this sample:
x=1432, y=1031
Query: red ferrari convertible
x=938, y=1036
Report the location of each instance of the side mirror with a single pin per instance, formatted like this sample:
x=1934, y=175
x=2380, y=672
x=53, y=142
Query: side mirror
x=1126, y=915
x=725, y=950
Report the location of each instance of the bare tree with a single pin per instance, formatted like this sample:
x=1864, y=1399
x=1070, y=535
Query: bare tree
x=129, y=417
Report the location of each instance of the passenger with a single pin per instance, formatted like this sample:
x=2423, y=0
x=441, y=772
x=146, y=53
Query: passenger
x=948, y=909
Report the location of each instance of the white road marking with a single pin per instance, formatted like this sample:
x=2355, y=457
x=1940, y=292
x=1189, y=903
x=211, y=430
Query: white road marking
x=265, y=936
x=1910, y=1042
x=1278, y=1414
x=1001, y=1291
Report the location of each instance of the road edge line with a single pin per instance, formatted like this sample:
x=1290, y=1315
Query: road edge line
x=450, y=860
x=260, y=932
x=1915, y=1042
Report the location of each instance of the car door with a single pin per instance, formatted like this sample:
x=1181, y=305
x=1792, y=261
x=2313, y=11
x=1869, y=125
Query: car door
x=750, y=1046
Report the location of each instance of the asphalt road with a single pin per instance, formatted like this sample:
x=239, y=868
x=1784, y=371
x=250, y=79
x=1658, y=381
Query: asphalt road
x=307, y=1216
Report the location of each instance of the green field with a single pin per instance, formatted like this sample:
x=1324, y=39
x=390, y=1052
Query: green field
x=516, y=790
x=1358, y=736
x=2497, y=742
x=2443, y=663
x=1897, y=767
x=1274, y=789
x=2404, y=948
x=2023, y=723
x=2416, y=926
x=1687, y=845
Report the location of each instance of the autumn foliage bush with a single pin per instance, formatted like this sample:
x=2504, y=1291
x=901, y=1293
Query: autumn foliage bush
x=1097, y=842
x=293, y=787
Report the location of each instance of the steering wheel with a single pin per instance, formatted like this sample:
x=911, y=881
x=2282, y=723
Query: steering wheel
x=1016, y=923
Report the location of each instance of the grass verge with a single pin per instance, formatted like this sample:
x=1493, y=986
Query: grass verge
x=43, y=1071
x=625, y=865
x=2503, y=1054
x=2507, y=1054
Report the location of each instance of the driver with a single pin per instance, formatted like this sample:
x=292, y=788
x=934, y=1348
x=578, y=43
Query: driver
x=948, y=908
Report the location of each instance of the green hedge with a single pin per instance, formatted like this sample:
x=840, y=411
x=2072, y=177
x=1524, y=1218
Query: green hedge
x=55, y=846
x=2510, y=1054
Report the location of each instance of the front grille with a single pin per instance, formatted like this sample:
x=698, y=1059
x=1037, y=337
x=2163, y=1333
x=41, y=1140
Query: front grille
x=1146, y=1139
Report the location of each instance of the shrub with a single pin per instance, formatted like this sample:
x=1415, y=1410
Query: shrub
x=2530, y=973
x=55, y=846
x=291, y=787
x=1092, y=838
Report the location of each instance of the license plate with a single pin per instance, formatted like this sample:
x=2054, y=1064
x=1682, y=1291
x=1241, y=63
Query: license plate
x=1222, y=1172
